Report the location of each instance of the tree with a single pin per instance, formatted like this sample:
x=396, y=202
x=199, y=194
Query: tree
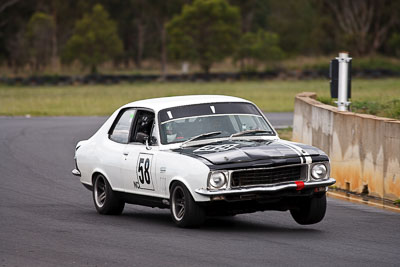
x=141, y=25
x=95, y=39
x=133, y=19
x=394, y=44
x=63, y=14
x=294, y=21
x=39, y=34
x=17, y=56
x=162, y=11
x=140, y=21
x=254, y=15
x=14, y=16
x=205, y=32
x=365, y=24
x=258, y=47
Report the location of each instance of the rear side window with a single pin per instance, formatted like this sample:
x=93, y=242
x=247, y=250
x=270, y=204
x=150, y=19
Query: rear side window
x=120, y=133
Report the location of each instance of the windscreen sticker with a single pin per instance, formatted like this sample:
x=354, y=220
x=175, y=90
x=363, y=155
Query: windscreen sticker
x=205, y=109
x=170, y=114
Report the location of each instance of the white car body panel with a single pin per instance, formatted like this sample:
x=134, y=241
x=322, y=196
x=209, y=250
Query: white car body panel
x=99, y=154
x=120, y=163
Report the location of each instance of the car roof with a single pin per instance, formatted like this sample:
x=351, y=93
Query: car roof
x=158, y=104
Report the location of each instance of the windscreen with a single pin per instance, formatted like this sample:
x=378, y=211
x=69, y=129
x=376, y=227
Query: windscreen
x=182, y=123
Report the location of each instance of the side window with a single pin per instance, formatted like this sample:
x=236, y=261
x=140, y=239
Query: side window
x=120, y=133
x=144, y=125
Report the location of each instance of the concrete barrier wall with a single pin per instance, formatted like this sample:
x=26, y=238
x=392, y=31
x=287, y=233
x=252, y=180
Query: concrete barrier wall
x=364, y=149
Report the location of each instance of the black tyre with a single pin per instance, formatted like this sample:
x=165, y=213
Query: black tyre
x=310, y=211
x=105, y=199
x=184, y=210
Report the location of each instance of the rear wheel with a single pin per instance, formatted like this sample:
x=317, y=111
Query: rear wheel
x=105, y=199
x=184, y=210
x=310, y=211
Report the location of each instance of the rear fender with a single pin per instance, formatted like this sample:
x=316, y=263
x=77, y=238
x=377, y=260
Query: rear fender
x=102, y=172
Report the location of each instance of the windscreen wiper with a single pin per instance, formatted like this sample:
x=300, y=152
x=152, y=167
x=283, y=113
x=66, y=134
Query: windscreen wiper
x=248, y=132
x=200, y=136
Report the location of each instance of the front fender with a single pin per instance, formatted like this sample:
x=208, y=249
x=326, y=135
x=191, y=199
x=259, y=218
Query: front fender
x=196, y=196
x=189, y=171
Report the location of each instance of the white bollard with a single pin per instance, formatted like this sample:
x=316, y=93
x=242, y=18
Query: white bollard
x=343, y=60
x=185, y=68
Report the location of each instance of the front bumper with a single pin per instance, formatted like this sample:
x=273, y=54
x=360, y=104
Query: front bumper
x=76, y=172
x=266, y=189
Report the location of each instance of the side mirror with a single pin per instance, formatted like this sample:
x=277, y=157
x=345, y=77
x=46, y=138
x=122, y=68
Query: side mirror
x=141, y=137
x=153, y=140
x=146, y=142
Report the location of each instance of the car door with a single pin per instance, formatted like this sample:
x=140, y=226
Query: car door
x=139, y=166
x=112, y=148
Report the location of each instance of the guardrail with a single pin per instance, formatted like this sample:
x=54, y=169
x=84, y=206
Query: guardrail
x=364, y=149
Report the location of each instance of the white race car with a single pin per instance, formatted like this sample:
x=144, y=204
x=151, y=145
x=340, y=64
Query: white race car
x=201, y=156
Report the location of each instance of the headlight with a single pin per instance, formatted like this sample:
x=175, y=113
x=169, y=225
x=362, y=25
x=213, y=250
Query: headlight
x=217, y=180
x=319, y=171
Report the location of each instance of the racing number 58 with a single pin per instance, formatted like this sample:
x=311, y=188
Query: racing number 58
x=143, y=171
x=144, y=175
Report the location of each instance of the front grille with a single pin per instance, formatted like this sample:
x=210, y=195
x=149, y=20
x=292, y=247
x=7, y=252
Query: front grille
x=266, y=176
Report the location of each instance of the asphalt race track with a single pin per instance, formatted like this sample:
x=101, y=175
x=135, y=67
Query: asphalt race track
x=47, y=218
x=280, y=119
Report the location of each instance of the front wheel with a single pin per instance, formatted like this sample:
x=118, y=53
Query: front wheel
x=184, y=210
x=105, y=200
x=310, y=211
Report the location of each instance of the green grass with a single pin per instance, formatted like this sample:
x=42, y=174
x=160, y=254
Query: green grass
x=389, y=109
x=387, y=105
x=285, y=133
x=270, y=96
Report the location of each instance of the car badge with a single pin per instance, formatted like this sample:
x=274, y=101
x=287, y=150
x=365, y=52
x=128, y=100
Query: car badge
x=216, y=148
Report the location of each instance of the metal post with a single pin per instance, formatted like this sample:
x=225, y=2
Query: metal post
x=185, y=68
x=343, y=60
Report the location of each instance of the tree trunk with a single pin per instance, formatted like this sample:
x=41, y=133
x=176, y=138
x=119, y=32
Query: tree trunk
x=93, y=70
x=366, y=22
x=247, y=21
x=355, y=19
x=36, y=69
x=163, y=51
x=140, y=43
x=205, y=67
x=6, y=4
x=54, y=44
x=241, y=64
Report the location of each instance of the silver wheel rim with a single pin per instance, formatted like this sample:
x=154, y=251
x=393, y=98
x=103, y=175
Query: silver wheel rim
x=178, y=203
x=100, y=191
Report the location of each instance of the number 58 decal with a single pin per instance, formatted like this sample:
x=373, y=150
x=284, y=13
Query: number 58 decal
x=143, y=172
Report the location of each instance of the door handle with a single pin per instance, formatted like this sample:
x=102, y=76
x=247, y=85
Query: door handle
x=126, y=153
